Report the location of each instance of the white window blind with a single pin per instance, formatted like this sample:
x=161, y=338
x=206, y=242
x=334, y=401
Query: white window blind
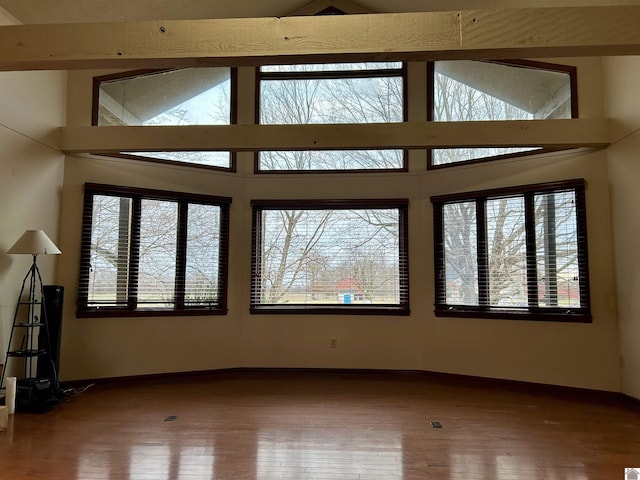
x=145, y=250
x=513, y=251
x=328, y=256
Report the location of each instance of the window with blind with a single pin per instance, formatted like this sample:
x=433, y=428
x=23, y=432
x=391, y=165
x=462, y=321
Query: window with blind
x=372, y=92
x=346, y=257
x=149, y=252
x=469, y=90
x=186, y=96
x=517, y=252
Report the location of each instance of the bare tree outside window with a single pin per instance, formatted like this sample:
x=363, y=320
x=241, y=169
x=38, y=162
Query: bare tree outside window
x=202, y=275
x=506, y=251
x=473, y=91
x=158, y=255
x=460, y=252
x=465, y=91
x=455, y=101
x=329, y=256
x=189, y=96
x=515, y=251
x=143, y=252
x=110, y=242
x=331, y=94
x=557, y=250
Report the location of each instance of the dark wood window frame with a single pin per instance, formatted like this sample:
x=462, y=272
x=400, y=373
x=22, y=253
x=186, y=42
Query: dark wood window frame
x=570, y=70
x=139, y=73
x=532, y=311
x=258, y=206
x=136, y=195
x=336, y=75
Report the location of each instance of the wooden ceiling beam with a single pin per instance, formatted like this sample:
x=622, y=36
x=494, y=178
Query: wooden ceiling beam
x=570, y=133
x=473, y=34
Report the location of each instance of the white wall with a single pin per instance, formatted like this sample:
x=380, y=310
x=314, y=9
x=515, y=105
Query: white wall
x=32, y=106
x=581, y=355
x=623, y=97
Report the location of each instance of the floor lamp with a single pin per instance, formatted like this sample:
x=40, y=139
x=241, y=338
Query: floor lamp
x=34, y=243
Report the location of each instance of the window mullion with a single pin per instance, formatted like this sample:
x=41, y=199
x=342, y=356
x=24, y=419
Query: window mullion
x=223, y=257
x=122, y=261
x=483, y=256
x=256, y=256
x=134, y=256
x=85, y=259
x=330, y=74
x=439, y=270
x=550, y=260
x=403, y=255
x=181, y=255
x=583, y=255
x=530, y=232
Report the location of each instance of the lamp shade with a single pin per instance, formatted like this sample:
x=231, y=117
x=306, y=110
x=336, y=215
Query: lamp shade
x=34, y=242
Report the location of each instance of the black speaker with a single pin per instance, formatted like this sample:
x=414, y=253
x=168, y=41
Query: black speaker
x=35, y=395
x=52, y=311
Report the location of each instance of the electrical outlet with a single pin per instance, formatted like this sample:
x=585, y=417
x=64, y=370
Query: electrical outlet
x=333, y=342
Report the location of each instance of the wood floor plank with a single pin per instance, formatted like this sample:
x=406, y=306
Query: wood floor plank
x=288, y=425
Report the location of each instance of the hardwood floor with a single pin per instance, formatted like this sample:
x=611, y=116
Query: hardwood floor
x=296, y=425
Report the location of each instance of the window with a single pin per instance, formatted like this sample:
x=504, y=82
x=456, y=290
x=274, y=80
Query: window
x=188, y=96
x=330, y=257
x=331, y=94
x=148, y=252
x=467, y=90
x=513, y=253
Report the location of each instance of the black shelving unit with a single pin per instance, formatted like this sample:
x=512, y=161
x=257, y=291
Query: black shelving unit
x=25, y=349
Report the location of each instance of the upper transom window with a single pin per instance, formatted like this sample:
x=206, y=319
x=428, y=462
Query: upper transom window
x=189, y=96
x=332, y=94
x=467, y=90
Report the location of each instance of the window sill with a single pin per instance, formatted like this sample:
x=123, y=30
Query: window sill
x=119, y=313
x=497, y=314
x=329, y=310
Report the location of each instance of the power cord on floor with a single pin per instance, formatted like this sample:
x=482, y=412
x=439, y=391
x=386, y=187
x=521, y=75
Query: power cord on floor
x=70, y=394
